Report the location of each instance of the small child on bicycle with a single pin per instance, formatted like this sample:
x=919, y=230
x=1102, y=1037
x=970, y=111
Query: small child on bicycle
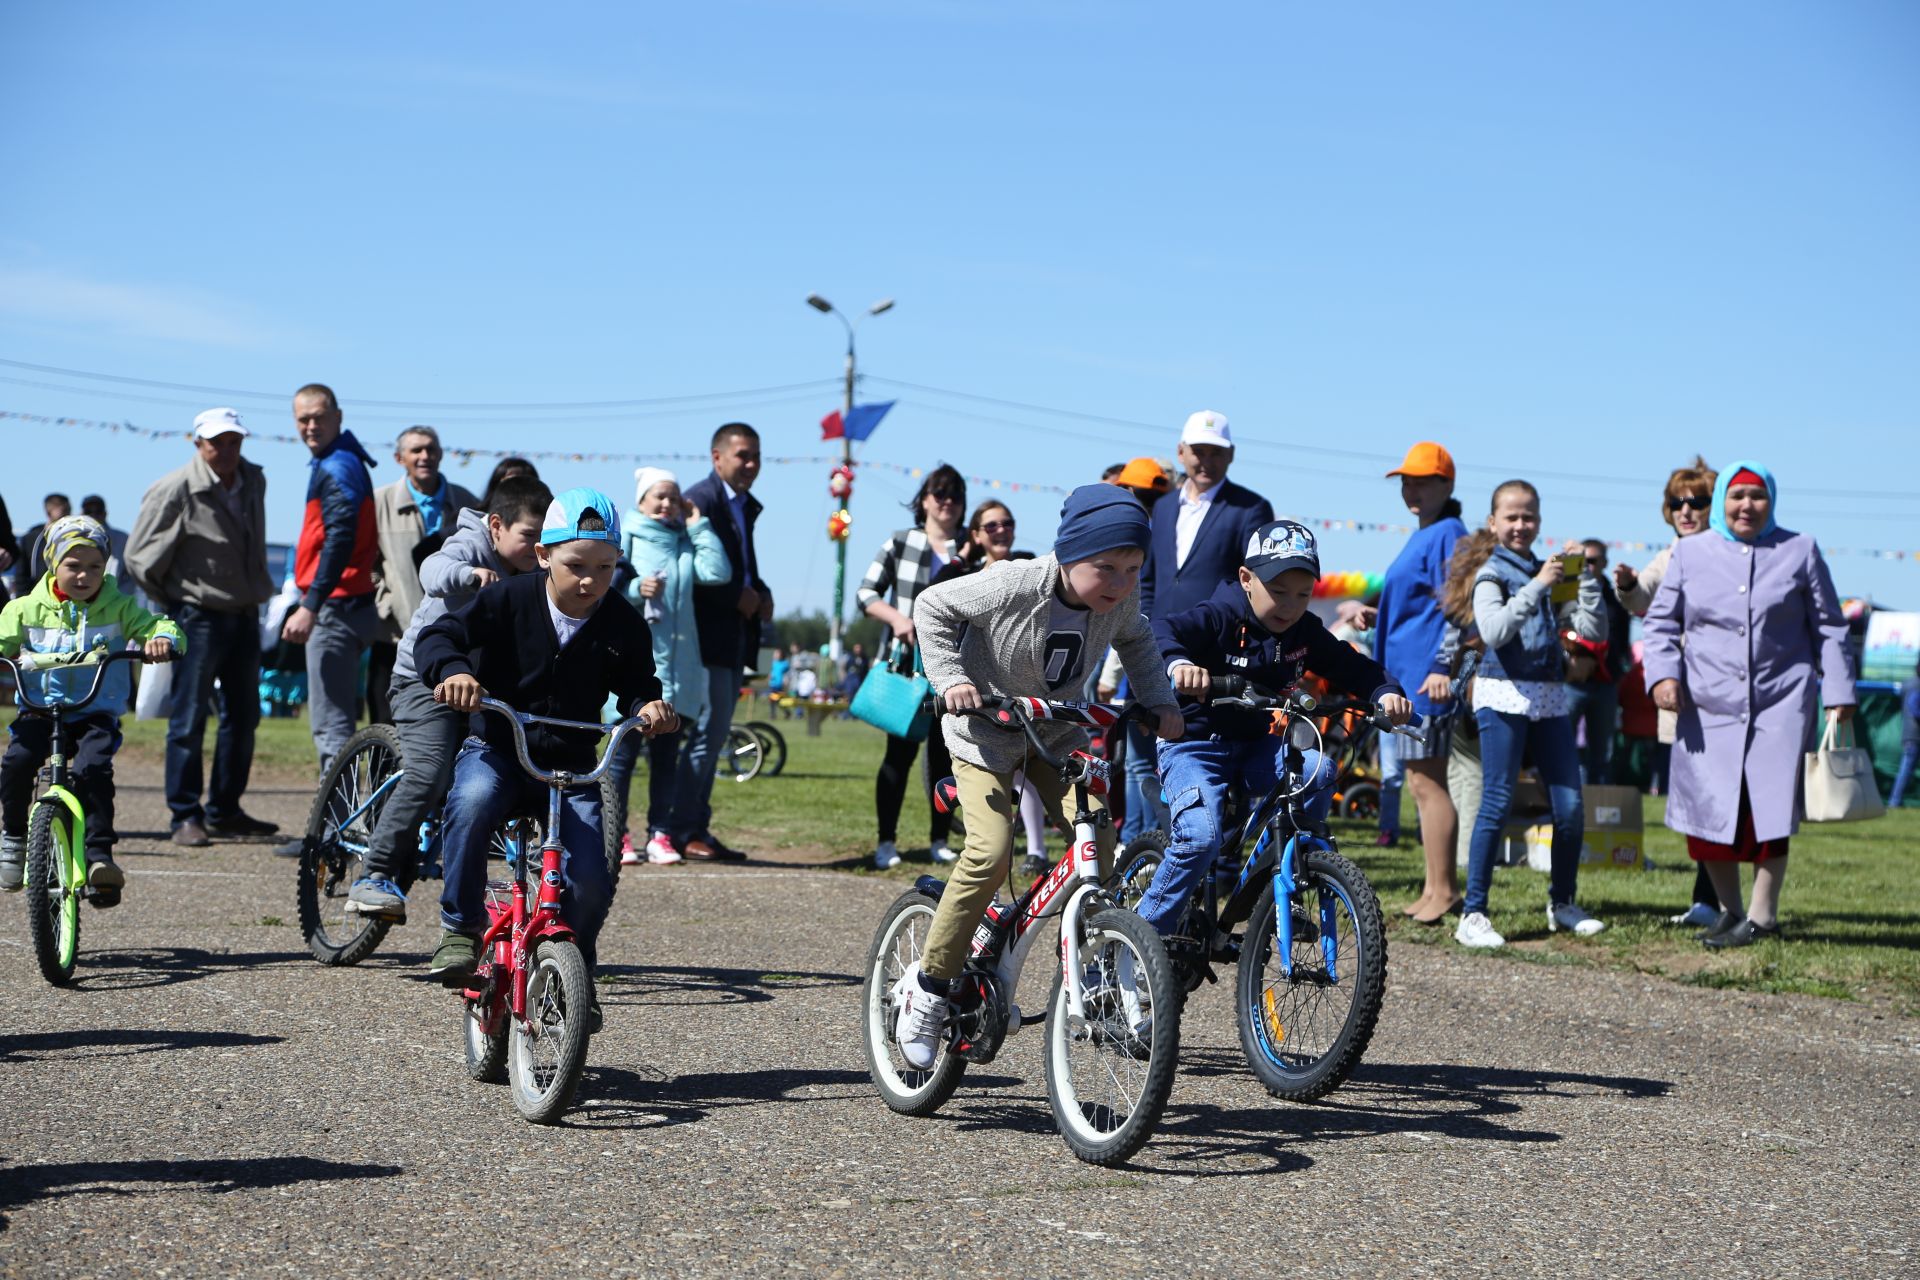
x=484, y=548
x=1028, y=628
x=75, y=607
x=1259, y=627
x=556, y=644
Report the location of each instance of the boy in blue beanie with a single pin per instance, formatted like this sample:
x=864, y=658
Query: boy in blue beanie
x=1025, y=628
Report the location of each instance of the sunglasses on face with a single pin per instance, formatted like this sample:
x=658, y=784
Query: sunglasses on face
x=943, y=495
x=996, y=526
x=1691, y=503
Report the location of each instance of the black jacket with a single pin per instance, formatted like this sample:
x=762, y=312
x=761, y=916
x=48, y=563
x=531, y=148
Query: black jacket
x=505, y=639
x=726, y=638
x=1223, y=636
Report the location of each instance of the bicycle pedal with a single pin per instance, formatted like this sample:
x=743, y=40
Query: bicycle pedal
x=104, y=899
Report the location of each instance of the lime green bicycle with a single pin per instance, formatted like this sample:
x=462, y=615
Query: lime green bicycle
x=56, y=878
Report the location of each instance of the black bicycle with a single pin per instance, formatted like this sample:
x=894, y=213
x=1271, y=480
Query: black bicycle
x=1313, y=953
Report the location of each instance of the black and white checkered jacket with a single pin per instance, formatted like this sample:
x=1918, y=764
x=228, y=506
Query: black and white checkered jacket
x=901, y=571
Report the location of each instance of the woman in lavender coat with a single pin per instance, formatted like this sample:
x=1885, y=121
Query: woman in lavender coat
x=1763, y=633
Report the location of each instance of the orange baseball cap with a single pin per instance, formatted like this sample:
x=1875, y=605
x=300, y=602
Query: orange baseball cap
x=1425, y=459
x=1143, y=473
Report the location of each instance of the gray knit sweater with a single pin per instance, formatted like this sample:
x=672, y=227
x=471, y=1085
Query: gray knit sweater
x=989, y=629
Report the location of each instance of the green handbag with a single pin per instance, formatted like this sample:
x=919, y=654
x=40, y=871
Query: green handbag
x=896, y=697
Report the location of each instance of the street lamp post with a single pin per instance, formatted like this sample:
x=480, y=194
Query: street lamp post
x=820, y=304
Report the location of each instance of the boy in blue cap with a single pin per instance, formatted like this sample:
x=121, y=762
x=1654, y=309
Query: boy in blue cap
x=1026, y=628
x=1259, y=627
x=553, y=643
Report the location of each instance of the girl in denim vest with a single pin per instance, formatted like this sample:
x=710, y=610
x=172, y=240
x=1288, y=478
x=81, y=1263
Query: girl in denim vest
x=1520, y=701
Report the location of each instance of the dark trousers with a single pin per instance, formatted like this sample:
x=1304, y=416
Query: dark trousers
x=1597, y=706
x=89, y=774
x=663, y=763
x=223, y=647
x=380, y=659
x=890, y=786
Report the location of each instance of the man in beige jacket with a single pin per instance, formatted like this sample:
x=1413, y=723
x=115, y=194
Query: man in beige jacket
x=199, y=552
x=412, y=516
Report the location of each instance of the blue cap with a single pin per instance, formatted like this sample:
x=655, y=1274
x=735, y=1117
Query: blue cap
x=1279, y=546
x=563, y=518
x=1099, y=517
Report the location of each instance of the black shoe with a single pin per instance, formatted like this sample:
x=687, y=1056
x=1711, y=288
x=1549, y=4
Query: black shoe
x=1034, y=865
x=292, y=848
x=593, y=1015
x=1743, y=934
x=1727, y=920
x=241, y=826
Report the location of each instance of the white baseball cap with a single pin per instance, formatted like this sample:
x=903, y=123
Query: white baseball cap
x=1207, y=427
x=217, y=422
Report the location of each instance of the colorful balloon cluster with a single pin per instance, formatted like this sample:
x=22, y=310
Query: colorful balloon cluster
x=840, y=487
x=1348, y=586
x=838, y=524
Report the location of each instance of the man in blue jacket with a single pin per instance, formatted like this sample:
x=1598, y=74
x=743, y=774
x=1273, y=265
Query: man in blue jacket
x=729, y=616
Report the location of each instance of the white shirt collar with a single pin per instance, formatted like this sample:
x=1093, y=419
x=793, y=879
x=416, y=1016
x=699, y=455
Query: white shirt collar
x=733, y=494
x=1188, y=498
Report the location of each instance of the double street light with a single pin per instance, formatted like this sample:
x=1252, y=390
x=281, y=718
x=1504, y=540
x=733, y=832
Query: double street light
x=821, y=305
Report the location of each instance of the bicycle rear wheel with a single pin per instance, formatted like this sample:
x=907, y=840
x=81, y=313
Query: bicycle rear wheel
x=896, y=946
x=547, y=1052
x=773, y=747
x=53, y=905
x=1303, y=1034
x=486, y=1036
x=353, y=792
x=1109, y=1077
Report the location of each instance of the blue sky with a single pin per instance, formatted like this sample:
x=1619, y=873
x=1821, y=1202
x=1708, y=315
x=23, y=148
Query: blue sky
x=1574, y=243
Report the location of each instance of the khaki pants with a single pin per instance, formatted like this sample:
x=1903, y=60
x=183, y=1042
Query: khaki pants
x=986, y=801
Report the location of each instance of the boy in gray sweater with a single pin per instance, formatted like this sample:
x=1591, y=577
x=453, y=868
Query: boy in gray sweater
x=1025, y=628
x=483, y=550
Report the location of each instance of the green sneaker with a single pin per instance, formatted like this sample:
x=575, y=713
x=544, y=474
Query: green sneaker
x=454, y=959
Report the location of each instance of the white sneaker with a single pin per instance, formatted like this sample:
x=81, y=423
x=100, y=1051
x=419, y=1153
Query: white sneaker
x=660, y=851
x=923, y=1016
x=1571, y=917
x=629, y=856
x=943, y=854
x=886, y=856
x=1477, y=931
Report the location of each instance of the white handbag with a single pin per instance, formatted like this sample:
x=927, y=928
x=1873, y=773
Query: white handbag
x=1840, y=782
x=153, y=699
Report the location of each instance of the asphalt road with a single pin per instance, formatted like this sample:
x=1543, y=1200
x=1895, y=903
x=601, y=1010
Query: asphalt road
x=207, y=1100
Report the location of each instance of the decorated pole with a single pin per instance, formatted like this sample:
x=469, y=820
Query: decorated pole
x=840, y=484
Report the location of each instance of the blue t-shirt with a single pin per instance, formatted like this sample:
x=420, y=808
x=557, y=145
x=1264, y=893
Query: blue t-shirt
x=1411, y=624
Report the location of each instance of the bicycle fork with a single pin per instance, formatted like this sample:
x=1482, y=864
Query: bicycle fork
x=1285, y=884
x=1086, y=866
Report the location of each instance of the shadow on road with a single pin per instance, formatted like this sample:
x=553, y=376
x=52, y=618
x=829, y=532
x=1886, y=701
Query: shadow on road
x=67, y=1046
x=668, y=985
x=140, y=967
x=21, y=1184
x=614, y=1098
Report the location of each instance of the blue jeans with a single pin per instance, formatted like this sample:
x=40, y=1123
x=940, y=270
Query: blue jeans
x=1198, y=776
x=706, y=743
x=1504, y=739
x=663, y=767
x=223, y=647
x=489, y=786
x=1598, y=707
x=1393, y=776
x=1146, y=811
x=1903, y=773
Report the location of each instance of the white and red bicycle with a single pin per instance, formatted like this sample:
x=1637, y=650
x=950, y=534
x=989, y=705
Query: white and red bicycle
x=1113, y=1019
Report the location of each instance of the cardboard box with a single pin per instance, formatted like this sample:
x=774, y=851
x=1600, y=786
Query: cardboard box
x=1614, y=837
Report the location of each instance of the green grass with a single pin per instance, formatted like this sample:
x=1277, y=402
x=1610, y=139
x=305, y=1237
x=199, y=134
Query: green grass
x=1851, y=908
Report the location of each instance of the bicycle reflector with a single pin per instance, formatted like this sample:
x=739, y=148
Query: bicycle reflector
x=946, y=795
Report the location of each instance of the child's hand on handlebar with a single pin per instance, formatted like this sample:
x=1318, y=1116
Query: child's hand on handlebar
x=1169, y=723
x=962, y=697
x=158, y=649
x=660, y=716
x=1192, y=680
x=461, y=692
x=1396, y=708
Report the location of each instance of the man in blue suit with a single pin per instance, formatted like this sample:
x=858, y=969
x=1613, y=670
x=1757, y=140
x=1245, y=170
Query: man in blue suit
x=728, y=617
x=1200, y=534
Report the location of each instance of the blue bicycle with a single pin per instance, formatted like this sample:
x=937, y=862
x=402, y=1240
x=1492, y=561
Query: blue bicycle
x=1313, y=953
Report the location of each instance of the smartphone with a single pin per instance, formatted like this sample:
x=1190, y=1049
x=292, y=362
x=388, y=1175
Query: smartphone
x=1572, y=564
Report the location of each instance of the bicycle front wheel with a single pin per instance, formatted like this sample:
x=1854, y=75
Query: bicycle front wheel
x=53, y=904
x=548, y=1050
x=773, y=747
x=353, y=792
x=897, y=945
x=613, y=824
x=1303, y=1033
x=744, y=754
x=1109, y=1075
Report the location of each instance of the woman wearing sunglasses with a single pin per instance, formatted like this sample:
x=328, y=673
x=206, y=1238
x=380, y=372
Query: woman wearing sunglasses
x=1685, y=507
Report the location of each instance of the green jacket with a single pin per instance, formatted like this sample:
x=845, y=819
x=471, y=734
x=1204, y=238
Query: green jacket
x=38, y=622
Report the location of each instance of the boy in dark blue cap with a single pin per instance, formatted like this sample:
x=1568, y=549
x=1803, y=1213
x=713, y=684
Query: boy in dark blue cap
x=552, y=643
x=1259, y=627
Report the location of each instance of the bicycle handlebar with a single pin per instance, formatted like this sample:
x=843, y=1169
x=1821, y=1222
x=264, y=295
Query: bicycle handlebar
x=1021, y=713
x=99, y=659
x=1240, y=691
x=519, y=720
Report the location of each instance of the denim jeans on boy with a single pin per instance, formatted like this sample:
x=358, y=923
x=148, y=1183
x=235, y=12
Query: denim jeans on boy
x=489, y=786
x=663, y=767
x=1504, y=739
x=706, y=743
x=223, y=647
x=1146, y=811
x=1197, y=777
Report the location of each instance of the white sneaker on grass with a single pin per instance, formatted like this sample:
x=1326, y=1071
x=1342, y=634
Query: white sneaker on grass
x=886, y=856
x=660, y=850
x=943, y=854
x=1477, y=931
x=923, y=1016
x=1568, y=916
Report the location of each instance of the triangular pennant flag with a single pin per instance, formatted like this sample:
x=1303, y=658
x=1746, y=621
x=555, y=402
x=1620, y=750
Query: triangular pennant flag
x=830, y=428
x=864, y=418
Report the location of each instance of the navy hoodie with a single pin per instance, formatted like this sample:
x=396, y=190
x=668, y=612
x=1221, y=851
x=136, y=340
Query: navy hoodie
x=1222, y=635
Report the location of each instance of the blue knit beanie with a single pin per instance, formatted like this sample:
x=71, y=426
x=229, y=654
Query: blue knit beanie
x=1099, y=517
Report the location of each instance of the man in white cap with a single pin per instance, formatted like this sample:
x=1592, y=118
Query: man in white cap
x=199, y=551
x=1200, y=532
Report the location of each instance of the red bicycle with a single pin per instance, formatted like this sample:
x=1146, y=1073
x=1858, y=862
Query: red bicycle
x=528, y=1008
